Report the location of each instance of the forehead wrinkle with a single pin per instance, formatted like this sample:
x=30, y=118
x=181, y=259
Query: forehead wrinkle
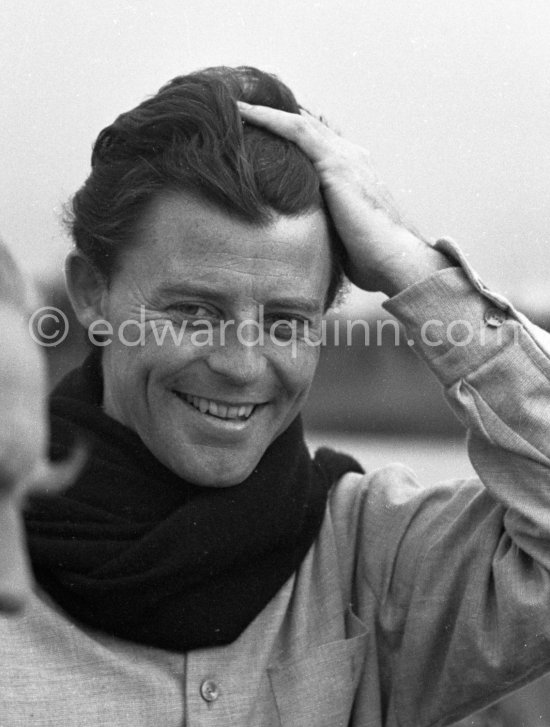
x=213, y=271
x=231, y=259
x=209, y=282
x=193, y=243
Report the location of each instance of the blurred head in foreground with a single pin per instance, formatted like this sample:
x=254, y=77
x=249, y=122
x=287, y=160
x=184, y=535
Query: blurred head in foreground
x=23, y=425
x=24, y=464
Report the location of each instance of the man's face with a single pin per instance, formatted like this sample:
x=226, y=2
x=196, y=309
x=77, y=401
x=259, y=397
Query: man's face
x=209, y=403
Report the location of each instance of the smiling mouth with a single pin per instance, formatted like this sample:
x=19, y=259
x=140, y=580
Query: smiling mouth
x=217, y=409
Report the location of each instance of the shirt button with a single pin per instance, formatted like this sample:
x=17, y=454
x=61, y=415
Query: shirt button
x=494, y=317
x=209, y=690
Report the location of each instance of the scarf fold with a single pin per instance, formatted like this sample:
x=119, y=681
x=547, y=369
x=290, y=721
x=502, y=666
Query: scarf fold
x=135, y=551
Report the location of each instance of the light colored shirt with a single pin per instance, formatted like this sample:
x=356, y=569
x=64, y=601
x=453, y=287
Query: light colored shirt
x=414, y=607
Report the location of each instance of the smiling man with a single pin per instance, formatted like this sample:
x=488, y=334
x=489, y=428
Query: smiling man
x=204, y=568
x=209, y=412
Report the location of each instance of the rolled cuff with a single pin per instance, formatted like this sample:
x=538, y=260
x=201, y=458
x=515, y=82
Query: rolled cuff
x=453, y=321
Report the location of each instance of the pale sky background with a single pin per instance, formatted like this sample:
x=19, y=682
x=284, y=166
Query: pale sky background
x=452, y=97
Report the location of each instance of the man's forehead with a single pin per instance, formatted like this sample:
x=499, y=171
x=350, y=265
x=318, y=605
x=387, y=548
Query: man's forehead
x=197, y=227
x=263, y=279
x=181, y=239
x=189, y=217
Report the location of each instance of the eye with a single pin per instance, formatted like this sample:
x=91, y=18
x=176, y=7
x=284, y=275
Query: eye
x=198, y=311
x=285, y=326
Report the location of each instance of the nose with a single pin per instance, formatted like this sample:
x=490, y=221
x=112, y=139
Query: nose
x=238, y=358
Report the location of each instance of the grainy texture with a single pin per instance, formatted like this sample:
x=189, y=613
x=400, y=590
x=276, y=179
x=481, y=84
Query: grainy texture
x=448, y=586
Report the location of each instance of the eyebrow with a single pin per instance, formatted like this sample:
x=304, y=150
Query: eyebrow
x=309, y=305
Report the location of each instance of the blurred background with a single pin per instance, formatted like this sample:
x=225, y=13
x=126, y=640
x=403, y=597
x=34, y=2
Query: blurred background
x=452, y=99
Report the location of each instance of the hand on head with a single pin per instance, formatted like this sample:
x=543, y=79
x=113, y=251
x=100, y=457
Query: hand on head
x=383, y=253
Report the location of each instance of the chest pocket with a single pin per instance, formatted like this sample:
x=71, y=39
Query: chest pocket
x=318, y=689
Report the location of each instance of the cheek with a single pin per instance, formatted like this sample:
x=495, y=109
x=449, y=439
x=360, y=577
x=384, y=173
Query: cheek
x=297, y=364
x=141, y=370
x=124, y=377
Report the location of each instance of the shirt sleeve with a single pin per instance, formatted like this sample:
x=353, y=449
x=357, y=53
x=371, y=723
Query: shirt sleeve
x=464, y=601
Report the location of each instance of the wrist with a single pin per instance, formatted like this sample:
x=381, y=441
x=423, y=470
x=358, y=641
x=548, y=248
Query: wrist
x=404, y=258
x=410, y=266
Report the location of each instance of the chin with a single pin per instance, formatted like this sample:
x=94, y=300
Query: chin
x=218, y=474
x=208, y=479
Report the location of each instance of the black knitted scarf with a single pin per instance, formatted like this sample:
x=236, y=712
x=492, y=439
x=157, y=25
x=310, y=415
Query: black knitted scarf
x=134, y=550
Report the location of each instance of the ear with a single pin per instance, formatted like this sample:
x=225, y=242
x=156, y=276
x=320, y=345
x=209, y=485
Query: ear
x=86, y=287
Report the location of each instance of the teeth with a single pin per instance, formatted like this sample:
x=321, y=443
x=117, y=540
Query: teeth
x=222, y=411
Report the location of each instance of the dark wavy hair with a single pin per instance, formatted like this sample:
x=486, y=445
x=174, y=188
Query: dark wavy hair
x=189, y=137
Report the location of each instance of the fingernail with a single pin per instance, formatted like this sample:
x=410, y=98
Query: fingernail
x=244, y=105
